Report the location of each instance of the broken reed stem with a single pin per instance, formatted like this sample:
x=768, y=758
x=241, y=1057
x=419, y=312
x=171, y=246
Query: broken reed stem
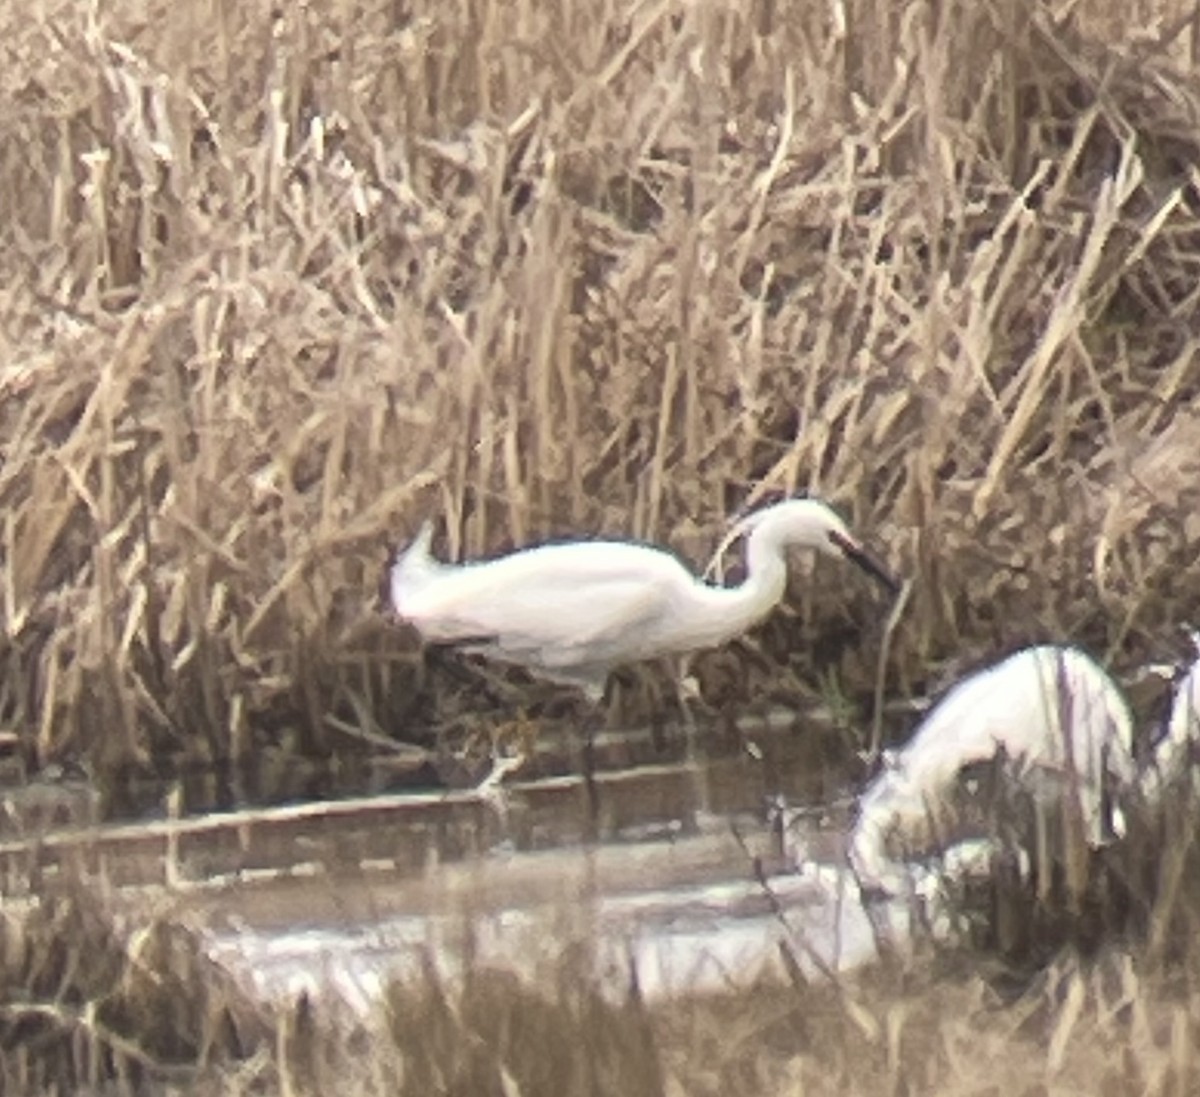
x=881, y=665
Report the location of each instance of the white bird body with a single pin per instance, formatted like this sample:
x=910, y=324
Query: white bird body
x=1057, y=716
x=572, y=612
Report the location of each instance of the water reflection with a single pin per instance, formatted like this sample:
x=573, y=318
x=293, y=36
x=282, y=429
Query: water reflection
x=688, y=886
x=702, y=936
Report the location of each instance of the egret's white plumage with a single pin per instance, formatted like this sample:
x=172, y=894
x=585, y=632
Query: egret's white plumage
x=1058, y=717
x=572, y=612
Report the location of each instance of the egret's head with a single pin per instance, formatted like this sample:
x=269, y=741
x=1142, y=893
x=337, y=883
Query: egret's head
x=810, y=524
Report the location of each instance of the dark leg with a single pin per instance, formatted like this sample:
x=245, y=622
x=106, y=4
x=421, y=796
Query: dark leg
x=447, y=659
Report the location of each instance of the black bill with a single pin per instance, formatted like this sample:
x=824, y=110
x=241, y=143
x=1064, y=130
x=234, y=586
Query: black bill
x=858, y=555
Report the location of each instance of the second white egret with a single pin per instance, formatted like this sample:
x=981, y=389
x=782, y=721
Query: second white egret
x=1058, y=718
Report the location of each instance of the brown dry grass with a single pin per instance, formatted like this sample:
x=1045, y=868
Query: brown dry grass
x=94, y=999
x=280, y=281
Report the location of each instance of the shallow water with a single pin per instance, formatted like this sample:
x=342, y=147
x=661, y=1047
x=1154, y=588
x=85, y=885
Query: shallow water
x=687, y=882
x=688, y=885
x=728, y=931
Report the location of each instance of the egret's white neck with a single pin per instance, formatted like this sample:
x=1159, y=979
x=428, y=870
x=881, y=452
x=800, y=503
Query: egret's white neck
x=720, y=613
x=766, y=559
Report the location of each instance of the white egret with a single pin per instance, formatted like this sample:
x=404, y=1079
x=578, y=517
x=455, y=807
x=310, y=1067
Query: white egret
x=1057, y=719
x=572, y=612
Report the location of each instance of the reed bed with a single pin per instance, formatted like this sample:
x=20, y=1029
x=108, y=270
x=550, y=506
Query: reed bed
x=277, y=282
x=281, y=281
x=97, y=1001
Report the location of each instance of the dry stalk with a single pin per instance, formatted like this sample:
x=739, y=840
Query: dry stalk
x=281, y=283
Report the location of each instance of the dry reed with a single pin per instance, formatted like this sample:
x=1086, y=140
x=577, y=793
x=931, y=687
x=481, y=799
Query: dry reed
x=96, y=1001
x=279, y=282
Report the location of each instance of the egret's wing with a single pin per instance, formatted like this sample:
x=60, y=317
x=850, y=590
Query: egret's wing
x=582, y=625
x=617, y=621
x=1030, y=704
x=560, y=606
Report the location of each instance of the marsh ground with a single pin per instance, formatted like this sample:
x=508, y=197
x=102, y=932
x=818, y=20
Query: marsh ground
x=279, y=281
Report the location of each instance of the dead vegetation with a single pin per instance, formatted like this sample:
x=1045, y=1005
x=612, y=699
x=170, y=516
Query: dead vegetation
x=92, y=999
x=281, y=281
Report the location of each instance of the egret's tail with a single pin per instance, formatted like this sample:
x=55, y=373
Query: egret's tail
x=413, y=568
